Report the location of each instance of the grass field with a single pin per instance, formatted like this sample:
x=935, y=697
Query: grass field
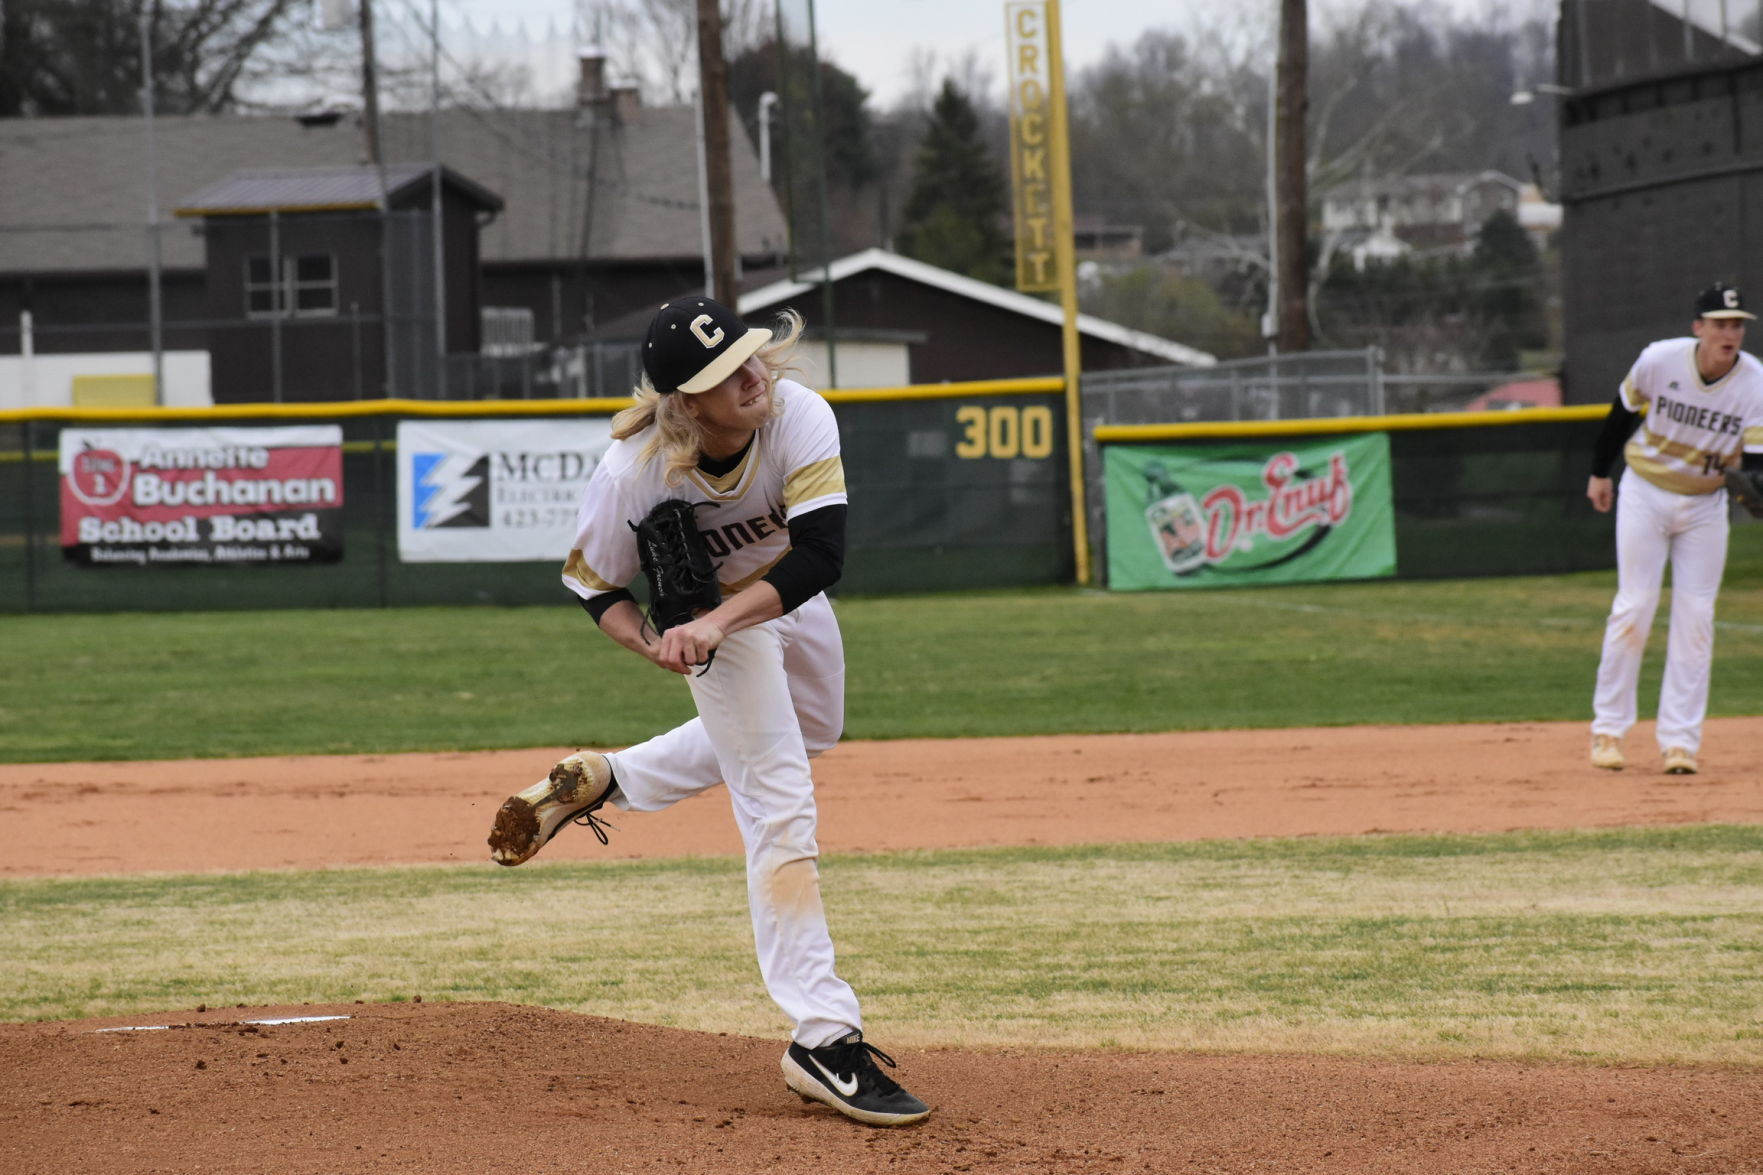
x=1624, y=947
x=155, y=686
x=1627, y=947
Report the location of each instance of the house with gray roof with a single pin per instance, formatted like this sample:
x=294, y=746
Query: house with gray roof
x=579, y=215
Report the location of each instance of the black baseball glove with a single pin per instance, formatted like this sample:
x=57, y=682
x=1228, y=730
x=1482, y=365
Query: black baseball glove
x=676, y=563
x=1747, y=489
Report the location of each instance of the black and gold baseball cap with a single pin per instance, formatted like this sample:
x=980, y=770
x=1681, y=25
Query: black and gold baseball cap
x=1721, y=301
x=694, y=343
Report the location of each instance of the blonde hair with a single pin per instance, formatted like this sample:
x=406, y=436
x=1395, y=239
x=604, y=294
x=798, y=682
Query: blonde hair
x=678, y=438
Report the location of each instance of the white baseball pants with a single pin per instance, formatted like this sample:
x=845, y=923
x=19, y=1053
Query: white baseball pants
x=1653, y=526
x=773, y=698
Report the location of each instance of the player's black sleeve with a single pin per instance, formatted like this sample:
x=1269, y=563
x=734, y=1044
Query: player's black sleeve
x=597, y=606
x=816, y=557
x=1751, y=462
x=1618, y=427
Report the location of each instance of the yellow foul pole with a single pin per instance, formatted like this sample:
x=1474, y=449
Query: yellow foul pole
x=1040, y=162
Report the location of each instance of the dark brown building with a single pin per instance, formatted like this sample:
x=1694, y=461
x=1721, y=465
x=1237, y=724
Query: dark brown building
x=1661, y=174
x=320, y=282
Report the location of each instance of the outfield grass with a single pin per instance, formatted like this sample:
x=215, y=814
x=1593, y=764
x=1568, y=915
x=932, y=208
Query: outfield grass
x=1634, y=946
x=154, y=686
x=1623, y=947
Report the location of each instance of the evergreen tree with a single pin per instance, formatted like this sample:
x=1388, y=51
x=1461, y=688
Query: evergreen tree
x=956, y=212
x=1507, y=276
x=805, y=133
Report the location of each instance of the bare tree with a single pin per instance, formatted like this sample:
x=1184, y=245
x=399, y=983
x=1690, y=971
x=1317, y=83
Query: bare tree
x=84, y=56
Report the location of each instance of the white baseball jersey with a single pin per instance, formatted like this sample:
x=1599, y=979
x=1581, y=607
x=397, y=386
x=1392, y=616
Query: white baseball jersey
x=1691, y=430
x=792, y=467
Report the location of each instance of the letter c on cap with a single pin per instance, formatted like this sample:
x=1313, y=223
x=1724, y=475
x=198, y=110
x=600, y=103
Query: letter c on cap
x=1732, y=298
x=711, y=339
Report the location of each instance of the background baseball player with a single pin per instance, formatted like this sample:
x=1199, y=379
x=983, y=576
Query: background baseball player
x=1702, y=400
x=716, y=424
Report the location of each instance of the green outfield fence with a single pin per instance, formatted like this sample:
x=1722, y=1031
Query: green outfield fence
x=952, y=486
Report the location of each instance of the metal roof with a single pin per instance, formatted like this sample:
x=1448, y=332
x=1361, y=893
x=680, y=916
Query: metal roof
x=780, y=292
x=317, y=189
x=73, y=191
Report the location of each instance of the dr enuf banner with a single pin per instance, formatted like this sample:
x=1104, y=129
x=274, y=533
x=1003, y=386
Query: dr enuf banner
x=1224, y=516
x=168, y=497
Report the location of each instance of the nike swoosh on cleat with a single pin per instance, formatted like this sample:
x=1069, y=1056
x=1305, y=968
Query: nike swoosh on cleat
x=845, y=1088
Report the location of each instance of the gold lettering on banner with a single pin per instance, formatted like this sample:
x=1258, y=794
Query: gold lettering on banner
x=1025, y=23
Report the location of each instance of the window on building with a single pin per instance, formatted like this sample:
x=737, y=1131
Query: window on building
x=301, y=287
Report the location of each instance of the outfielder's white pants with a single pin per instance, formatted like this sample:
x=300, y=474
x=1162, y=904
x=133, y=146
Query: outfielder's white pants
x=1653, y=526
x=773, y=698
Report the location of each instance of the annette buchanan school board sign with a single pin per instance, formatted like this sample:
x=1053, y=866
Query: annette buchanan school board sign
x=152, y=497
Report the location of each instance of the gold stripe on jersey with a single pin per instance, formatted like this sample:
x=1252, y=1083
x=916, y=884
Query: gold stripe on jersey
x=1688, y=454
x=1668, y=477
x=1752, y=438
x=576, y=568
x=814, y=481
x=1631, y=396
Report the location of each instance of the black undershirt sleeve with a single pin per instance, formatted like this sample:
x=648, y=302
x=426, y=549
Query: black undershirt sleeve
x=1752, y=462
x=1618, y=427
x=597, y=606
x=816, y=557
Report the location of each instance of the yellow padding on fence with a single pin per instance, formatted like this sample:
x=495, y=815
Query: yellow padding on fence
x=117, y=411
x=1311, y=426
x=113, y=391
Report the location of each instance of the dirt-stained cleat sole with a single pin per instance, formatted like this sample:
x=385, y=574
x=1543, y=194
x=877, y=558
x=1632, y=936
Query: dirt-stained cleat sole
x=576, y=788
x=1679, y=762
x=1606, y=752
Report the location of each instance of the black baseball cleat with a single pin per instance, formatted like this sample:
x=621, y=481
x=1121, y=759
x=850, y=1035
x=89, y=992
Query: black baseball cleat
x=844, y=1075
x=576, y=788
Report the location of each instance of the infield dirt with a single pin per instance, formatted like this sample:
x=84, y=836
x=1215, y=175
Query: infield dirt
x=441, y=1089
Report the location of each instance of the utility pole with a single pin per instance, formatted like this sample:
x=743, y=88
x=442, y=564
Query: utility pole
x=370, y=87
x=718, y=179
x=155, y=306
x=1292, y=280
x=370, y=113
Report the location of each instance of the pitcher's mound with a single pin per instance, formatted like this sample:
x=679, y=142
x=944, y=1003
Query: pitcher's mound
x=448, y=1089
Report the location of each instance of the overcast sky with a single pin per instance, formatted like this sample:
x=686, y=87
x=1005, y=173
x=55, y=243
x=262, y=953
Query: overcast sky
x=877, y=40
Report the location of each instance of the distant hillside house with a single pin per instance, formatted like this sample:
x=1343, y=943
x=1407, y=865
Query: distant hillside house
x=1094, y=239
x=600, y=217
x=1421, y=214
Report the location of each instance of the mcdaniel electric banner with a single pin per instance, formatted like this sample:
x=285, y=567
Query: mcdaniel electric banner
x=486, y=491
x=169, y=497
x=1251, y=514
